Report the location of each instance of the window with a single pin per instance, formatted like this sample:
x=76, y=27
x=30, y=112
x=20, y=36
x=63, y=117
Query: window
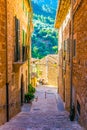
x=68, y=50
x=23, y=4
x=24, y=37
x=74, y=48
x=24, y=48
x=17, y=40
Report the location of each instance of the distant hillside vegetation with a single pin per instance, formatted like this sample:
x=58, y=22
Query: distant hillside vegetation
x=44, y=38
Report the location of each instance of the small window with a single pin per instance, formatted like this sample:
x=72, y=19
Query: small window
x=17, y=40
x=23, y=4
x=74, y=48
x=68, y=50
x=24, y=37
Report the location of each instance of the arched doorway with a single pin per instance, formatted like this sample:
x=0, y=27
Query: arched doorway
x=22, y=90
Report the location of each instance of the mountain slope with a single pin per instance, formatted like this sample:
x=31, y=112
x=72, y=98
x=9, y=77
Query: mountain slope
x=44, y=38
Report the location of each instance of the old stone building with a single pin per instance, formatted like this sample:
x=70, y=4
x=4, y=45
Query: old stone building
x=72, y=81
x=47, y=69
x=15, y=36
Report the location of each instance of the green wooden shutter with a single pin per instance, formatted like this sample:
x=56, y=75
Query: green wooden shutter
x=18, y=39
x=23, y=37
x=23, y=4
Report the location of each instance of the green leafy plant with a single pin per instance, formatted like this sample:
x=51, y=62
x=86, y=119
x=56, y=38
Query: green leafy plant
x=31, y=89
x=29, y=97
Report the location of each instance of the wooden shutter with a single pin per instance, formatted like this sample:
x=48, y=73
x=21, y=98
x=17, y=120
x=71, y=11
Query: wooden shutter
x=17, y=39
x=68, y=51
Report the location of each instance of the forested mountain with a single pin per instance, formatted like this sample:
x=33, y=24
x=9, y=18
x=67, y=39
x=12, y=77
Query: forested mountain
x=44, y=38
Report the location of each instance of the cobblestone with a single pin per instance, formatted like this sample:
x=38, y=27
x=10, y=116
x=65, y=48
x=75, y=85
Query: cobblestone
x=43, y=115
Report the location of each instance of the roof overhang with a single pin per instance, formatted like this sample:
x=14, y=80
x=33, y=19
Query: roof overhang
x=28, y=4
x=63, y=8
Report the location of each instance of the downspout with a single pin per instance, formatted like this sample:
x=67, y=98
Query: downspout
x=62, y=67
x=71, y=58
x=58, y=73
x=29, y=53
x=29, y=61
x=7, y=84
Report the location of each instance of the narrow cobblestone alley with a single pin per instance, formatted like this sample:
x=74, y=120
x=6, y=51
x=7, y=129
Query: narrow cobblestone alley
x=46, y=113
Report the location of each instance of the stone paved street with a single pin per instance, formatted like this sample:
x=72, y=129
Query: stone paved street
x=46, y=113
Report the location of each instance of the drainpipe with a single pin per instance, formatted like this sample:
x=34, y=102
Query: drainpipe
x=29, y=63
x=62, y=67
x=71, y=58
x=28, y=67
x=7, y=84
x=29, y=53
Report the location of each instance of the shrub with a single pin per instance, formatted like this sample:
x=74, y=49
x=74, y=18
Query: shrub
x=29, y=97
x=31, y=89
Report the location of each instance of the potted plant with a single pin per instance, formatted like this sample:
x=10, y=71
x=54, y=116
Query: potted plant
x=30, y=95
x=31, y=89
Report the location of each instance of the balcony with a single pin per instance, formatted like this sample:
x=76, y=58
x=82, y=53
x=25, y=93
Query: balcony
x=18, y=59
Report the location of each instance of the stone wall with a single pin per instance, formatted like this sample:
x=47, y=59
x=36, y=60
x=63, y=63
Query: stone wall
x=64, y=61
x=2, y=62
x=15, y=9
x=48, y=69
x=80, y=60
x=53, y=74
x=79, y=85
x=17, y=72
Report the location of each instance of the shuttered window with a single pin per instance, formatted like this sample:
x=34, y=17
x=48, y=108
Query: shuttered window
x=23, y=4
x=17, y=39
x=68, y=51
x=24, y=37
x=24, y=48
